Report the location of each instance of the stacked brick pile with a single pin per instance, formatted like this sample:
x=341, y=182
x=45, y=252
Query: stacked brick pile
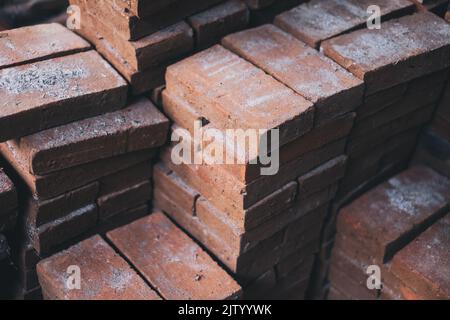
x=140, y=39
x=401, y=226
x=166, y=259
x=264, y=228
x=401, y=92
x=81, y=151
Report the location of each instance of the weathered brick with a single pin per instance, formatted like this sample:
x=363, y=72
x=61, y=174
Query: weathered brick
x=319, y=20
x=51, y=235
x=386, y=218
x=153, y=243
x=38, y=42
x=114, y=203
x=333, y=90
x=403, y=49
x=211, y=25
x=137, y=127
x=104, y=274
x=240, y=96
x=423, y=264
x=143, y=8
x=54, y=92
x=57, y=183
x=38, y=212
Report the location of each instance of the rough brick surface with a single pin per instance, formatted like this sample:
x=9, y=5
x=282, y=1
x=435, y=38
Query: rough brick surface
x=39, y=42
x=401, y=50
x=137, y=127
x=332, y=89
x=173, y=263
x=8, y=193
x=319, y=20
x=423, y=264
x=54, y=92
x=239, y=94
x=104, y=275
x=387, y=217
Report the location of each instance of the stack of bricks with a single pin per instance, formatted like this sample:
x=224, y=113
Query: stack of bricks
x=162, y=262
x=264, y=228
x=401, y=227
x=140, y=39
x=404, y=66
x=82, y=153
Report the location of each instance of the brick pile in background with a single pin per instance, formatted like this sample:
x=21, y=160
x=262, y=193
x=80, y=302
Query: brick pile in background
x=140, y=40
x=398, y=101
x=265, y=229
x=82, y=153
x=402, y=227
x=162, y=262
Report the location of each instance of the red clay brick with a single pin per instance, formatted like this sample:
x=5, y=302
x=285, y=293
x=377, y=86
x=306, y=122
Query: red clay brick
x=403, y=49
x=319, y=20
x=387, y=217
x=211, y=25
x=154, y=244
x=57, y=183
x=51, y=235
x=50, y=93
x=39, y=212
x=137, y=127
x=423, y=264
x=112, y=204
x=333, y=90
x=142, y=8
x=104, y=274
x=239, y=94
x=38, y=42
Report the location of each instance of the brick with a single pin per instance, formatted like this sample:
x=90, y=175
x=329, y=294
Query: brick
x=156, y=96
x=438, y=7
x=317, y=179
x=8, y=193
x=211, y=25
x=410, y=202
x=39, y=212
x=423, y=264
x=268, y=13
x=153, y=243
x=142, y=8
x=403, y=49
x=112, y=204
x=355, y=290
x=105, y=275
x=140, y=81
x=39, y=42
x=130, y=27
x=318, y=20
x=47, y=237
x=76, y=87
x=137, y=127
x=238, y=94
x=126, y=178
x=57, y=183
x=259, y=288
x=150, y=51
x=333, y=90
x=258, y=4
x=122, y=218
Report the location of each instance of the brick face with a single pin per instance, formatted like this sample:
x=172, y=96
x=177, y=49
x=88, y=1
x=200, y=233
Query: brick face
x=104, y=275
x=154, y=244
